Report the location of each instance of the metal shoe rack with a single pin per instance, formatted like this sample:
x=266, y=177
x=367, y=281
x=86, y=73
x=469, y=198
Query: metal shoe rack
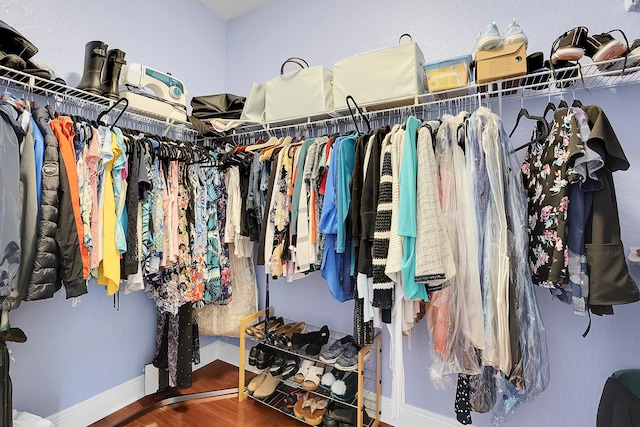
x=368, y=394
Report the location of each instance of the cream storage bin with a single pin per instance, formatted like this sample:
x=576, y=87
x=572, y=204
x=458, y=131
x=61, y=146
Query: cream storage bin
x=302, y=93
x=382, y=78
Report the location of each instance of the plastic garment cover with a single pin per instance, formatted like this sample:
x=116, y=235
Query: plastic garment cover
x=452, y=309
x=482, y=390
x=530, y=376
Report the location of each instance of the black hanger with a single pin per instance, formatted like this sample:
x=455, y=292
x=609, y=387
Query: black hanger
x=550, y=107
x=349, y=97
x=576, y=103
x=563, y=104
x=461, y=138
x=126, y=105
x=543, y=128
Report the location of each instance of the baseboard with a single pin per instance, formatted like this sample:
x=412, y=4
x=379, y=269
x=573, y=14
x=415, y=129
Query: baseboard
x=414, y=417
x=116, y=398
x=101, y=405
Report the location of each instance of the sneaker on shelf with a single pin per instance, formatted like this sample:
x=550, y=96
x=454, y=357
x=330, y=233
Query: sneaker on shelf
x=570, y=46
x=633, y=58
x=348, y=360
x=514, y=34
x=602, y=47
x=489, y=39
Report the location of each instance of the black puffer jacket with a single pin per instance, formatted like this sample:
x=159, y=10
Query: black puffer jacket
x=44, y=279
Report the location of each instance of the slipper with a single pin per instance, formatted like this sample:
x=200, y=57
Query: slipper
x=331, y=377
x=312, y=379
x=253, y=352
x=302, y=371
x=345, y=390
x=257, y=381
x=267, y=387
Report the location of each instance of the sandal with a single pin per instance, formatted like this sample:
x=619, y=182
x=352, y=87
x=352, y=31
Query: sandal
x=302, y=371
x=290, y=366
x=312, y=379
x=317, y=410
x=300, y=409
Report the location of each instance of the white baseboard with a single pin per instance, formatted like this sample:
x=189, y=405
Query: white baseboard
x=110, y=401
x=101, y=405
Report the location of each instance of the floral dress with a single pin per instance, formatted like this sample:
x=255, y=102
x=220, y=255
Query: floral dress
x=548, y=174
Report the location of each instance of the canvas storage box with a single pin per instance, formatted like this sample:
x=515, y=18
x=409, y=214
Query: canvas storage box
x=380, y=78
x=501, y=63
x=450, y=74
x=301, y=93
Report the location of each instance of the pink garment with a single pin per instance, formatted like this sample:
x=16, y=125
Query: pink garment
x=92, y=159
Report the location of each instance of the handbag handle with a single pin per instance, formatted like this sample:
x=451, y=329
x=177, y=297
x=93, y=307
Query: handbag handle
x=405, y=34
x=294, y=60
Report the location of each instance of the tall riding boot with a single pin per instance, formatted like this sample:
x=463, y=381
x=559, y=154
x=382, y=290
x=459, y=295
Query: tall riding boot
x=111, y=74
x=94, y=57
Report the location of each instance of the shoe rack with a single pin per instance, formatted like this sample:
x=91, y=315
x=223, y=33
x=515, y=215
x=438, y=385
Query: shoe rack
x=368, y=394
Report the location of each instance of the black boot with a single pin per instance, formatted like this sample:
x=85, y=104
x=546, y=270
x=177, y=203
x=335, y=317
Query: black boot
x=94, y=57
x=111, y=74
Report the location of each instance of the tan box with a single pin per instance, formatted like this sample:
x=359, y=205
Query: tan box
x=501, y=63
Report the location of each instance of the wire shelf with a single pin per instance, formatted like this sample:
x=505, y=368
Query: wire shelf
x=18, y=81
x=545, y=84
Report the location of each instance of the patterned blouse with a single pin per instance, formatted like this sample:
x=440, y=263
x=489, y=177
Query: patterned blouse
x=548, y=173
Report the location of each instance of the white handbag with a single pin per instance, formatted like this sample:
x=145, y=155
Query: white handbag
x=302, y=93
x=253, y=110
x=381, y=78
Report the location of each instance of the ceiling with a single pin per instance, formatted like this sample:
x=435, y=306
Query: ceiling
x=229, y=9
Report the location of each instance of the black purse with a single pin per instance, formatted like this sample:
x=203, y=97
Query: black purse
x=221, y=106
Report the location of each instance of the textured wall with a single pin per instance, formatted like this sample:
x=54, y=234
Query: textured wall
x=73, y=354
x=325, y=31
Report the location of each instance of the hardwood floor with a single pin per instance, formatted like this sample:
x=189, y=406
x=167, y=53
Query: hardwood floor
x=213, y=411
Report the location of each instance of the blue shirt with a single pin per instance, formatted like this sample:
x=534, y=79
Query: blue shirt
x=38, y=146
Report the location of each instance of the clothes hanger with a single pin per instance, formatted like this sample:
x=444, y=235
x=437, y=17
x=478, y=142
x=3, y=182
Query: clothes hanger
x=121, y=100
x=362, y=116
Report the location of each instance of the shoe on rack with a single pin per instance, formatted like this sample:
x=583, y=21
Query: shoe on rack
x=563, y=70
x=95, y=54
x=513, y=34
x=346, y=388
x=602, y=47
x=488, y=39
x=537, y=73
x=316, y=411
x=348, y=360
x=331, y=354
x=570, y=46
x=264, y=357
x=256, y=381
x=267, y=387
x=633, y=58
x=290, y=367
x=331, y=377
x=314, y=348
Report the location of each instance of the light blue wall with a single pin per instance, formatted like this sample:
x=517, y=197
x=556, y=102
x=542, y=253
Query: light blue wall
x=73, y=354
x=325, y=31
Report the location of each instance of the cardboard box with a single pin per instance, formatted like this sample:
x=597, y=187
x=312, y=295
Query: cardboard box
x=501, y=63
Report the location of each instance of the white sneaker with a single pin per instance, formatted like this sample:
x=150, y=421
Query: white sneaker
x=514, y=34
x=489, y=39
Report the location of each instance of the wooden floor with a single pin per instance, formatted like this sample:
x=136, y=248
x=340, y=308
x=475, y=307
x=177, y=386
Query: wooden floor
x=216, y=411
